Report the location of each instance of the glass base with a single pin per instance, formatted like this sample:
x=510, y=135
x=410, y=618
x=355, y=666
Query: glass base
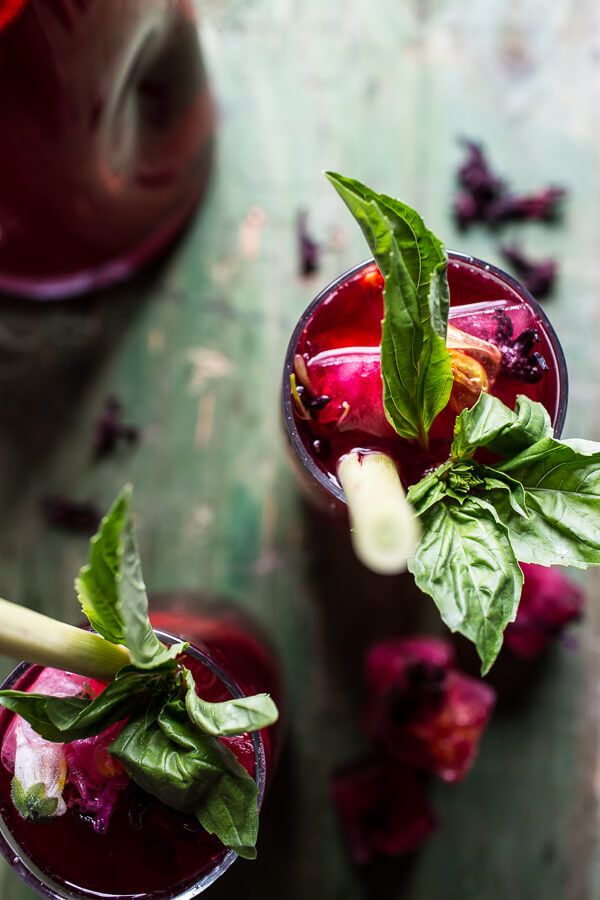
x=102, y=276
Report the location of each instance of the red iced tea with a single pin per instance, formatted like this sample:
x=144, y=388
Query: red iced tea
x=148, y=849
x=498, y=336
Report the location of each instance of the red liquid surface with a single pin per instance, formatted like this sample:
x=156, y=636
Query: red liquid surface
x=350, y=317
x=106, y=126
x=149, y=848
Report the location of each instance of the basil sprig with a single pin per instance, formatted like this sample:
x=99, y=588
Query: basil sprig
x=540, y=503
x=170, y=746
x=415, y=366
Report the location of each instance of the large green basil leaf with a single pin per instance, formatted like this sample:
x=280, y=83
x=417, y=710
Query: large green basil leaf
x=490, y=423
x=466, y=563
x=415, y=365
x=194, y=773
x=561, y=480
x=112, y=592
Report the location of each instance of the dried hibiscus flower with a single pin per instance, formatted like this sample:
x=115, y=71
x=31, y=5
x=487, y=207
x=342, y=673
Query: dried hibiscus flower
x=309, y=251
x=383, y=808
x=520, y=359
x=549, y=602
x=422, y=711
x=481, y=187
x=546, y=205
x=70, y=515
x=485, y=197
x=111, y=431
x=538, y=277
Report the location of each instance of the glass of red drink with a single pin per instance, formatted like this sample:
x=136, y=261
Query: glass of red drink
x=149, y=850
x=106, y=135
x=337, y=344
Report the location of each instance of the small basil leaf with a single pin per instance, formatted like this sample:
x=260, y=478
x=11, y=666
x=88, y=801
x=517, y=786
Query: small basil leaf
x=415, y=366
x=231, y=716
x=96, y=584
x=193, y=773
x=65, y=719
x=112, y=592
x=561, y=480
x=490, y=423
x=466, y=563
x=431, y=488
x=493, y=480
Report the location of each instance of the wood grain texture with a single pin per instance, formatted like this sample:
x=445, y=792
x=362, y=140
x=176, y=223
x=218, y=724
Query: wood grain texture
x=380, y=90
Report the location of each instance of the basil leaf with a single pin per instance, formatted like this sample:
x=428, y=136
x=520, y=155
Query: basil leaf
x=231, y=716
x=462, y=479
x=193, y=773
x=490, y=423
x=112, y=592
x=493, y=480
x=65, y=719
x=466, y=563
x=96, y=585
x=415, y=366
x=431, y=488
x=561, y=480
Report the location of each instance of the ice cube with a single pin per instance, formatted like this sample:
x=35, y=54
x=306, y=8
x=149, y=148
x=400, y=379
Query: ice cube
x=487, y=320
x=57, y=684
x=349, y=380
x=40, y=771
x=42, y=768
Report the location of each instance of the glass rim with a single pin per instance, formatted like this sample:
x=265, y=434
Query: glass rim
x=290, y=423
x=45, y=886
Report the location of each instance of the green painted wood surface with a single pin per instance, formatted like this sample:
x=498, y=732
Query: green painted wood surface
x=380, y=90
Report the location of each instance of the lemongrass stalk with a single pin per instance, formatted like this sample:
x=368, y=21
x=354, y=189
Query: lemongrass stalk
x=29, y=635
x=385, y=529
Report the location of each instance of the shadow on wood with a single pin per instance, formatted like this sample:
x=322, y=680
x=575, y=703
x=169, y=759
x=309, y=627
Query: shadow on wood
x=49, y=353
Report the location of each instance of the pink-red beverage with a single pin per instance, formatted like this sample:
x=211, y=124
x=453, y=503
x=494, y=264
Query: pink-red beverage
x=106, y=132
x=335, y=356
x=148, y=850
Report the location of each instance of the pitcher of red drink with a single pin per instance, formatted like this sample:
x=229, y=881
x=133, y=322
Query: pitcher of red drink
x=106, y=133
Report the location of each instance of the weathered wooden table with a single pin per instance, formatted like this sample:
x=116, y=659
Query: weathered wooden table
x=380, y=90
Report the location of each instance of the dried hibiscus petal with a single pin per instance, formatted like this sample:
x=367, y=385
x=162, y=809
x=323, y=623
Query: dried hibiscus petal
x=485, y=197
x=545, y=205
x=383, y=808
x=538, y=277
x=427, y=714
x=519, y=356
x=549, y=602
x=309, y=251
x=70, y=515
x=111, y=431
x=96, y=777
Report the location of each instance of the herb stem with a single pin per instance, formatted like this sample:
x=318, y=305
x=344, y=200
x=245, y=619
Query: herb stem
x=26, y=634
x=384, y=526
